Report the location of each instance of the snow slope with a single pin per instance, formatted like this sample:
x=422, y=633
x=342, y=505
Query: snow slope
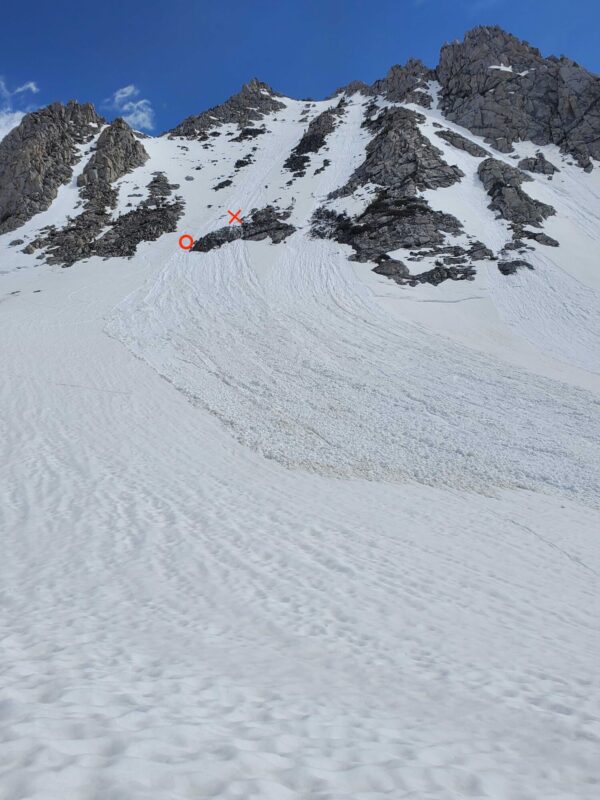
x=270, y=534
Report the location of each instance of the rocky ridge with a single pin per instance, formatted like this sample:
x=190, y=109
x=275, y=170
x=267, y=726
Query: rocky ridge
x=255, y=100
x=491, y=84
x=37, y=158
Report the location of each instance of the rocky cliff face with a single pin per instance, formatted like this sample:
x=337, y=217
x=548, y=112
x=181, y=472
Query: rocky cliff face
x=504, y=90
x=117, y=152
x=37, y=157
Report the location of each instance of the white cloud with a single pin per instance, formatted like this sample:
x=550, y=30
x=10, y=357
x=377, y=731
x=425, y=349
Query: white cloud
x=9, y=116
x=137, y=112
x=121, y=95
x=30, y=86
x=8, y=121
x=4, y=93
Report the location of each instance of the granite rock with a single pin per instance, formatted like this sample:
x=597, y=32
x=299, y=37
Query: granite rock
x=503, y=89
x=503, y=184
x=264, y=223
x=37, y=158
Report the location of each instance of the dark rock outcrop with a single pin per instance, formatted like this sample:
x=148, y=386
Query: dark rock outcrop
x=400, y=158
x=387, y=224
x=510, y=267
x=249, y=133
x=503, y=184
x=252, y=103
x=37, y=158
x=402, y=162
x=538, y=164
x=462, y=143
x=537, y=236
x=501, y=88
x=406, y=84
x=313, y=139
x=264, y=223
x=117, y=152
x=391, y=267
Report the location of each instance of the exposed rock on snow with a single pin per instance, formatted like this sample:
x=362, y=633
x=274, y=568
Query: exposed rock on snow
x=388, y=223
x=118, y=152
x=403, y=162
x=400, y=158
x=510, y=267
x=538, y=163
x=519, y=232
x=313, y=139
x=37, y=157
x=261, y=224
x=462, y=143
x=503, y=184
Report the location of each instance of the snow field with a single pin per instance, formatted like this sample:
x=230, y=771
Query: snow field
x=183, y=617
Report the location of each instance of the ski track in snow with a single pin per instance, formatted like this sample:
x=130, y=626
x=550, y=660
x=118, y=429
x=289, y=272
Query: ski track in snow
x=184, y=618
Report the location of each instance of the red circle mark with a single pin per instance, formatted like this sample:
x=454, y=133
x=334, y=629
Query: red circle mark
x=183, y=245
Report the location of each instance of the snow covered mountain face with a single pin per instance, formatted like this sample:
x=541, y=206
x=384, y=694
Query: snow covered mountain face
x=311, y=510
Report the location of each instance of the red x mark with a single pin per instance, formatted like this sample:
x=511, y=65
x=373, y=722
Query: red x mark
x=234, y=216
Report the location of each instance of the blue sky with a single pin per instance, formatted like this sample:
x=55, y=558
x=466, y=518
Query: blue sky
x=157, y=61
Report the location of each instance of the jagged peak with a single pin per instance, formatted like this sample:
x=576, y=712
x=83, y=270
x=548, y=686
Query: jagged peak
x=492, y=40
x=255, y=85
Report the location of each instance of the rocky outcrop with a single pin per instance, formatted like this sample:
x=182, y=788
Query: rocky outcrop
x=406, y=84
x=510, y=267
x=462, y=143
x=252, y=103
x=503, y=184
x=401, y=161
x=538, y=164
x=264, y=223
x=387, y=224
x=519, y=233
x=313, y=139
x=501, y=88
x=400, y=158
x=117, y=152
x=151, y=220
x=83, y=237
x=37, y=158
x=399, y=272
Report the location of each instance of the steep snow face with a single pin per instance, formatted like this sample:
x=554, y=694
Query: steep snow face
x=276, y=526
